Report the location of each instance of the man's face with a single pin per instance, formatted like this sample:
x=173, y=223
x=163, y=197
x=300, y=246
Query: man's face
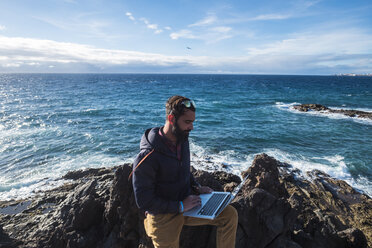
x=184, y=125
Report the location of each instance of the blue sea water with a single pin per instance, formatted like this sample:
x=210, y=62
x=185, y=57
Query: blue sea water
x=54, y=123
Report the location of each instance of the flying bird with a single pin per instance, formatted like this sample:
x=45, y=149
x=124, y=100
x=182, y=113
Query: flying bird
x=188, y=48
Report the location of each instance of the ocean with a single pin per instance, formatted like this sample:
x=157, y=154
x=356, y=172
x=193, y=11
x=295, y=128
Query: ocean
x=54, y=123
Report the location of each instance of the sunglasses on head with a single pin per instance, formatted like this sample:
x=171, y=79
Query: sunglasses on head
x=189, y=103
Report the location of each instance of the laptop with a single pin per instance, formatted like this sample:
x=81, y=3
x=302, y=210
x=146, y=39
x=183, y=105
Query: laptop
x=213, y=204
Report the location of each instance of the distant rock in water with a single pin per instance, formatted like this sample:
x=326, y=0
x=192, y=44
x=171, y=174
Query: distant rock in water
x=318, y=107
x=277, y=208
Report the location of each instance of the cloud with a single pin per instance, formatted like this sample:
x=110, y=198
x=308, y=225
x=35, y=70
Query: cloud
x=81, y=24
x=149, y=25
x=24, y=51
x=207, y=21
x=183, y=34
x=2, y=27
x=206, y=29
x=346, y=41
x=221, y=29
x=152, y=26
x=208, y=35
x=270, y=17
x=338, y=51
x=130, y=16
x=36, y=55
x=71, y=1
x=308, y=4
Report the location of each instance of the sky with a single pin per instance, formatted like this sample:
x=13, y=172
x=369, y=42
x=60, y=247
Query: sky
x=298, y=37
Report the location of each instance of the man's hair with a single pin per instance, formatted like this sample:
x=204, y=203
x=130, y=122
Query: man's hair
x=175, y=107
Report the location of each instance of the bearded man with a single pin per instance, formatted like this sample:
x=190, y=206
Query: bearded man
x=163, y=185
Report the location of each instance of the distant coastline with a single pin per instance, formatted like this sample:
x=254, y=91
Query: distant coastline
x=354, y=75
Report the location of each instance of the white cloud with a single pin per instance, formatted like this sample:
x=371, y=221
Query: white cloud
x=130, y=16
x=207, y=29
x=346, y=41
x=26, y=50
x=270, y=17
x=221, y=29
x=7, y=65
x=2, y=27
x=182, y=34
x=308, y=4
x=208, y=35
x=79, y=23
x=152, y=26
x=209, y=20
x=21, y=54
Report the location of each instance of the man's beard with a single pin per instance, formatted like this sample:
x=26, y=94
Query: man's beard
x=180, y=135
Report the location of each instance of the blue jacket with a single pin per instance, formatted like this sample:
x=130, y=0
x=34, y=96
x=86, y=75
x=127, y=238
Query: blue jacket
x=161, y=180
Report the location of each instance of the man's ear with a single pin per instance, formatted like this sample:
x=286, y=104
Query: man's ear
x=171, y=119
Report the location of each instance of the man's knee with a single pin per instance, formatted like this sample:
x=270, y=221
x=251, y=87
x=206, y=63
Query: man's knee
x=232, y=214
x=229, y=215
x=164, y=229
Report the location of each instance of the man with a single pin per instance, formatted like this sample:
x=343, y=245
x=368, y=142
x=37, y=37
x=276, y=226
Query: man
x=163, y=184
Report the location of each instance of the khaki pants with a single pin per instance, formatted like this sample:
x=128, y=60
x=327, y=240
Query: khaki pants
x=165, y=229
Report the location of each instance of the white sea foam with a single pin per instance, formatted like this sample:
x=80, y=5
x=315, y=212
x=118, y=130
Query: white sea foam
x=27, y=191
x=230, y=161
x=334, y=166
x=289, y=107
x=30, y=181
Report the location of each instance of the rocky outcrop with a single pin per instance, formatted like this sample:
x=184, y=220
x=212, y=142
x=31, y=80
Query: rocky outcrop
x=277, y=208
x=329, y=210
x=324, y=109
x=307, y=107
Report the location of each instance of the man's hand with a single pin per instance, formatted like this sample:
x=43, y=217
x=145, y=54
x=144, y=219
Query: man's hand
x=190, y=202
x=205, y=190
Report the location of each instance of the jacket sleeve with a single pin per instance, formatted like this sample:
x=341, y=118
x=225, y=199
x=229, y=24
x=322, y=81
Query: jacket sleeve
x=144, y=184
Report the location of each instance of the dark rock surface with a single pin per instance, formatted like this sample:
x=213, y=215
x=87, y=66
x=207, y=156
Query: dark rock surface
x=318, y=107
x=277, y=208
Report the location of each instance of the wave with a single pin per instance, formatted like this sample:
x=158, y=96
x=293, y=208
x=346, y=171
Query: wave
x=335, y=166
x=232, y=162
x=30, y=181
x=290, y=107
x=229, y=160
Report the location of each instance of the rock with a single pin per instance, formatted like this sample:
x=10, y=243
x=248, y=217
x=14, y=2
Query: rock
x=264, y=174
x=207, y=179
x=216, y=180
x=92, y=172
x=324, y=109
x=123, y=222
x=262, y=218
x=307, y=107
x=354, y=238
x=276, y=209
x=326, y=207
x=5, y=241
x=229, y=187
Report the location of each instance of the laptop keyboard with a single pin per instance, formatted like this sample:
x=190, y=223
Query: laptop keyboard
x=212, y=204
